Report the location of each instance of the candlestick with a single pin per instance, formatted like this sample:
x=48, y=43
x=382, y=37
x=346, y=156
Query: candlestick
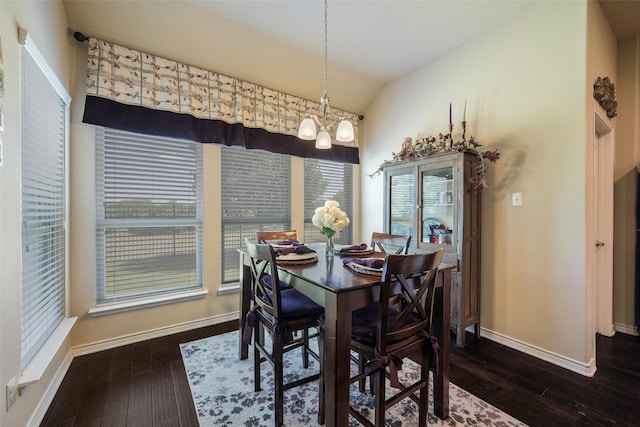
x=464, y=113
x=464, y=129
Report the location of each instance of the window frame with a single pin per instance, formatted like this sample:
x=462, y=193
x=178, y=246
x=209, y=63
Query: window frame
x=106, y=304
x=34, y=365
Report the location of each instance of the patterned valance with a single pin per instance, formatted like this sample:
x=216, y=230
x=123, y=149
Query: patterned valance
x=132, y=90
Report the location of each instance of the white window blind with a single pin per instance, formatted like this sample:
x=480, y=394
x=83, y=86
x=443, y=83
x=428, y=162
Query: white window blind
x=325, y=180
x=43, y=128
x=256, y=195
x=149, y=215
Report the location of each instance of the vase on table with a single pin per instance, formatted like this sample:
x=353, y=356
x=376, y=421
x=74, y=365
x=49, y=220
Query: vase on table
x=329, y=251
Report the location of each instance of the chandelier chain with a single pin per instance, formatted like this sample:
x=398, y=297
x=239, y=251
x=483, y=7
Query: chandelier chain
x=326, y=26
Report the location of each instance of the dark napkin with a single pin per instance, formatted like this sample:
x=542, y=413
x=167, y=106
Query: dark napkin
x=300, y=249
x=369, y=262
x=360, y=247
x=293, y=242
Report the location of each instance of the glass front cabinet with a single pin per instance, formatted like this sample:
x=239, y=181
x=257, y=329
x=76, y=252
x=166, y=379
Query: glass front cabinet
x=433, y=200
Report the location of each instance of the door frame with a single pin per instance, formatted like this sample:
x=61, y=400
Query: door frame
x=602, y=193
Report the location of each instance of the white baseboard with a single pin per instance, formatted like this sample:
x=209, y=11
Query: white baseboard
x=154, y=333
x=586, y=369
x=47, y=398
x=625, y=329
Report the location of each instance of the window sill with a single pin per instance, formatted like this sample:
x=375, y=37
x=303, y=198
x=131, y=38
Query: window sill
x=36, y=367
x=229, y=289
x=149, y=302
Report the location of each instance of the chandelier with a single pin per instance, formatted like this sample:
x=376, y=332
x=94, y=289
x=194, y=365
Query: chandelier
x=327, y=117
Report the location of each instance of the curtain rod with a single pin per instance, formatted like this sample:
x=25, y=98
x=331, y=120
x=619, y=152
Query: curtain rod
x=80, y=37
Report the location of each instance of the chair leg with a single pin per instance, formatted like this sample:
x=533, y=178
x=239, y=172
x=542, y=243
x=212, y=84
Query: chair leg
x=305, y=348
x=379, y=379
x=423, y=409
x=278, y=380
x=321, y=403
x=258, y=338
x=363, y=381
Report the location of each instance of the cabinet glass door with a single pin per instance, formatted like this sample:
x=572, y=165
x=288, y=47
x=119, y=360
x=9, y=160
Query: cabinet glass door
x=402, y=203
x=438, y=198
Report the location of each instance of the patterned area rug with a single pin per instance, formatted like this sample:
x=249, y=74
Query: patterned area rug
x=222, y=389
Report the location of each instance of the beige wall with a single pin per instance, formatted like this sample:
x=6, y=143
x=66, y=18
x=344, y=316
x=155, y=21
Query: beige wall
x=526, y=89
x=46, y=23
x=626, y=159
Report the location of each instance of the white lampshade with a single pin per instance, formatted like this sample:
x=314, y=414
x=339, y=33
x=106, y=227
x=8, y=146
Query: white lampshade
x=345, y=131
x=307, y=129
x=323, y=141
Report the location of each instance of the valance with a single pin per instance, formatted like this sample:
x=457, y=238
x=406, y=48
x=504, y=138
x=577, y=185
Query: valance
x=139, y=92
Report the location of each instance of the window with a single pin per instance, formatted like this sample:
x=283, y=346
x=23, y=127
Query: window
x=149, y=215
x=325, y=180
x=44, y=135
x=256, y=195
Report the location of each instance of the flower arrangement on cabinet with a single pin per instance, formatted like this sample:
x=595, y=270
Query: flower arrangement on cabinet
x=427, y=145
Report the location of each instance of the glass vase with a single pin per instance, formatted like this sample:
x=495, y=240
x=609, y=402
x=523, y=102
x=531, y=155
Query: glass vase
x=329, y=251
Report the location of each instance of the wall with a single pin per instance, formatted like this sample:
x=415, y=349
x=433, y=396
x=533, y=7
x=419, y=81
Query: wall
x=46, y=24
x=525, y=89
x=626, y=183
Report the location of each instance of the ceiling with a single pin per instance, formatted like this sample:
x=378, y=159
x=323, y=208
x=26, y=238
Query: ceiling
x=370, y=42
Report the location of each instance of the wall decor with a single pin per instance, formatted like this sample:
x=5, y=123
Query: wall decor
x=604, y=91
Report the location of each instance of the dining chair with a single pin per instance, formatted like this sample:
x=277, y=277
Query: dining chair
x=280, y=312
x=395, y=327
x=275, y=236
x=390, y=243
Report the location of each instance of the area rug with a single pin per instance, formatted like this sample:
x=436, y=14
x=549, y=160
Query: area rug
x=222, y=390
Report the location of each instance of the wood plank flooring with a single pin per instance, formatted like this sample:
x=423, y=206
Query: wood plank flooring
x=145, y=384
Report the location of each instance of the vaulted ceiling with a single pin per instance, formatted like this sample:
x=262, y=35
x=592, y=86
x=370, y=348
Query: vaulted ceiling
x=370, y=42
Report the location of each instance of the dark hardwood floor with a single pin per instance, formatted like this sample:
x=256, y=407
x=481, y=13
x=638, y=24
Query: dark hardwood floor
x=144, y=384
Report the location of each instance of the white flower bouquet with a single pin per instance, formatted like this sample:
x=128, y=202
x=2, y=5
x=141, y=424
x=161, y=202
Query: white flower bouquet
x=330, y=218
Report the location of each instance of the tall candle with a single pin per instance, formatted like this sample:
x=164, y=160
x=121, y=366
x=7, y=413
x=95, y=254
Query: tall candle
x=450, y=122
x=464, y=114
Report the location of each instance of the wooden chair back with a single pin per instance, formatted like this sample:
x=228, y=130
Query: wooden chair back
x=407, y=293
x=385, y=242
x=275, y=236
x=263, y=264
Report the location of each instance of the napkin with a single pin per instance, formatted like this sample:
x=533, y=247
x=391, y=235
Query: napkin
x=300, y=249
x=293, y=242
x=360, y=247
x=368, y=262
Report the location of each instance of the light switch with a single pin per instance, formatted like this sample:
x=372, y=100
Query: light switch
x=516, y=199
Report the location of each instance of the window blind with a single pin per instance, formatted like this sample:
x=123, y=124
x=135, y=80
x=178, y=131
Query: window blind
x=326, y=180
x=256, y=195
x=43, y=127
x=149, y=215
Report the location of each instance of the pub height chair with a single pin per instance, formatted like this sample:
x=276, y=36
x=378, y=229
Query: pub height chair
x=396, y=327
x=280, y=312
x=390, y=243
x=276, y=236
x=269, y=237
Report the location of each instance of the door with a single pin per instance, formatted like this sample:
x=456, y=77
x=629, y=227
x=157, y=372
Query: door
x=603, y=226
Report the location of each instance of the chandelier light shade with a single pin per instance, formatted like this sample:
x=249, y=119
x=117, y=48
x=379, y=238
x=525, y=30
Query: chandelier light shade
x=328, y=118
x=307, y=130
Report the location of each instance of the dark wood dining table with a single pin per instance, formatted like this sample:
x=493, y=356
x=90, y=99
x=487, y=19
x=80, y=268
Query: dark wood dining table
x=340, y=291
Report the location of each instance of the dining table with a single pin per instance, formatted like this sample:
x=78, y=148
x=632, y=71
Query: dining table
x=341, y=290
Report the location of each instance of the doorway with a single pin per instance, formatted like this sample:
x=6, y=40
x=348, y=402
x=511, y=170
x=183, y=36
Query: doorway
x=603, y=146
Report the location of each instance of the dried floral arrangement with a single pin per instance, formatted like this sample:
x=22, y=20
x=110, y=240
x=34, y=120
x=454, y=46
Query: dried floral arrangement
x=426, y=146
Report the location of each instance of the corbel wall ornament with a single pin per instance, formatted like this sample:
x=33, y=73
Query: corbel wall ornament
x=604, y=91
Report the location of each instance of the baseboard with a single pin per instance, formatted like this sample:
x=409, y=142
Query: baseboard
x=154, y=333
x=586, y=369
x=625, y=329
x=47, y=398
x=50, y=393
